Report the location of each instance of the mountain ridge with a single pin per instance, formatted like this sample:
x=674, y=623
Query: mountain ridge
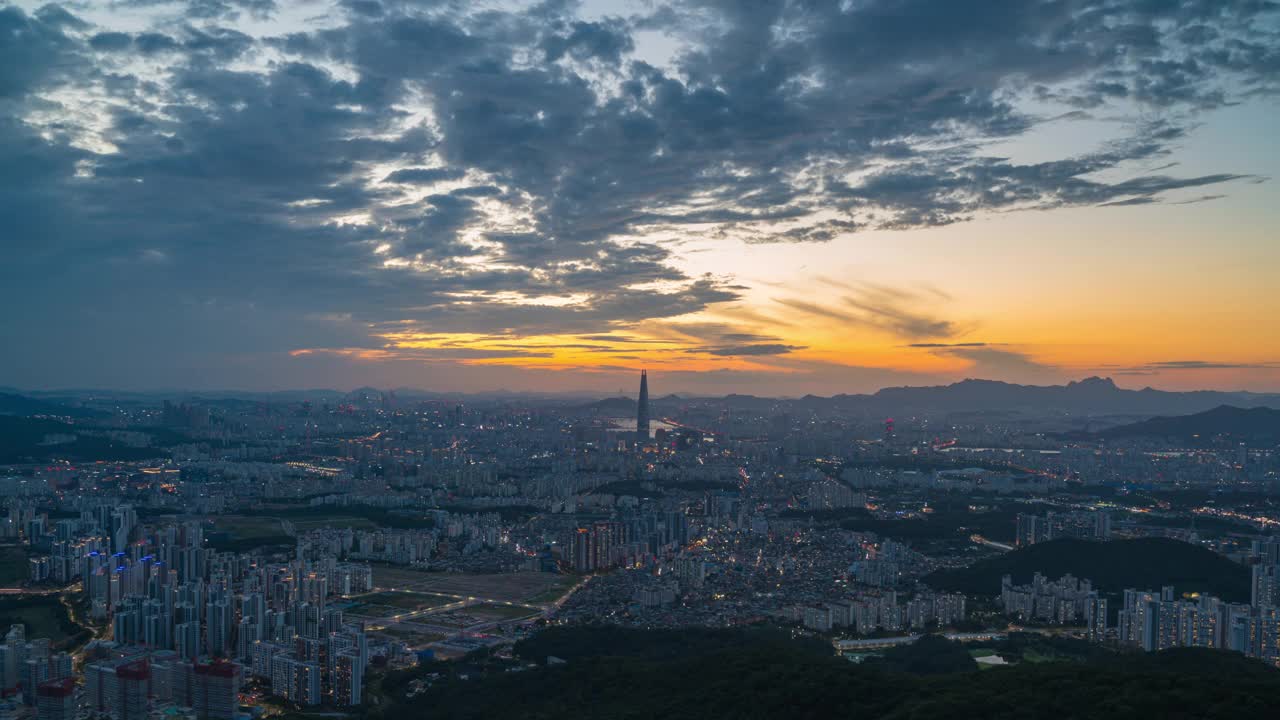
x=1088, y=396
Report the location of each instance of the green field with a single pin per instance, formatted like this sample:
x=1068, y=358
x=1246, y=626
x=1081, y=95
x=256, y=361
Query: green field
x=243, y=533
x=1032, y=656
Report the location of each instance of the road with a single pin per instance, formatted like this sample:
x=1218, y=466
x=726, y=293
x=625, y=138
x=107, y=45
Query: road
x=990, y=543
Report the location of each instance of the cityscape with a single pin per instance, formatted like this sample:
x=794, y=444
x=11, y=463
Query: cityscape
x=303, y=553
x=623, y=359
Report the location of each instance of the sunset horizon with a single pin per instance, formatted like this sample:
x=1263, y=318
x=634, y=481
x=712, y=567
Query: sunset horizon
x=261, y=194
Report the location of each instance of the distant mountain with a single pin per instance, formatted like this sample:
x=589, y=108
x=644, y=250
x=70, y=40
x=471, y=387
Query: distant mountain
x=611, y=407
x=1089, y=397
x=1144, y=563
x=1092, y=395
x=13, y=404
x=1258, y=424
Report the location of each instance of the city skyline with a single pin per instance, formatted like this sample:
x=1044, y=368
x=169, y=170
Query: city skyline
x=783, y=199
x=676, y=359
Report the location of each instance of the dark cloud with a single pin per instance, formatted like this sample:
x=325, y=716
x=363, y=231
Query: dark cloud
x=748, y=350
x=368, y=8
x=1156, y=367
x=1201, y=199
x=590, y=41
x=425, y=176
x=901, y=322
x=57, y=16
x=818, y=310
x=111, y=41
x=209, y=9
x=36, y=51
x=896, y=311
x=622, y=339
x=948, y=345
x=438, y=228
x=149, y=43
x=1002, y=364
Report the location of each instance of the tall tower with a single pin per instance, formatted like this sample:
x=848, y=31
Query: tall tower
x=642, y=409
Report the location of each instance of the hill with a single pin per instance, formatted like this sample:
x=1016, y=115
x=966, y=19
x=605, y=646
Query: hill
x=1144, y=563
x=611, y=407
x=25, y=440
x=14, y=404
x=729, y=674
x=1259, y=425
x=1089, y=396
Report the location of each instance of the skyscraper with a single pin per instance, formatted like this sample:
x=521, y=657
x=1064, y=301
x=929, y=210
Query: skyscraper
x=642, y=409
x=214, y=687
x=133, y=682
x=56, y=699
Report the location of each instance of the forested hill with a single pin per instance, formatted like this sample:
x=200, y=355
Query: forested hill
x=1144, y=564
x=1254, y=424
x=745, y=676
x=25, y=439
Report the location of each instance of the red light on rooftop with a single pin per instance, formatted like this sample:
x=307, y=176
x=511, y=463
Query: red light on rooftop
x=57, y=688
x=220, y=669
x=136, y=670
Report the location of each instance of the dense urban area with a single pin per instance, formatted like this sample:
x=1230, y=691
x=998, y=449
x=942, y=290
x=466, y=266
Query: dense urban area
x=324, y=554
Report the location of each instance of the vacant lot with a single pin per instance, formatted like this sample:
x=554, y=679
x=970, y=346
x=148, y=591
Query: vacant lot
x=244, y=533
x=514, y=587
x=387, y=603
x=413, y=638
x=554, y=592
x=404, y=600
x=480, y=614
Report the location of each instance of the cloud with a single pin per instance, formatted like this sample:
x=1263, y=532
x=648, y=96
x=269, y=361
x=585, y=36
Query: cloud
x=37, y=51
x=1001, y=364
x=425, y=176
x=901, y=322
x=948, y=345
x=1178, y=365
x=277, y=166
x=590, y=40
x=895, y=311
x=209, y=9
x=1200, y=199
x=397, y=352
x=748, y=350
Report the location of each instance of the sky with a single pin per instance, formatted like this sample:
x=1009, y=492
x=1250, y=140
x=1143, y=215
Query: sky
x=740, y=196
